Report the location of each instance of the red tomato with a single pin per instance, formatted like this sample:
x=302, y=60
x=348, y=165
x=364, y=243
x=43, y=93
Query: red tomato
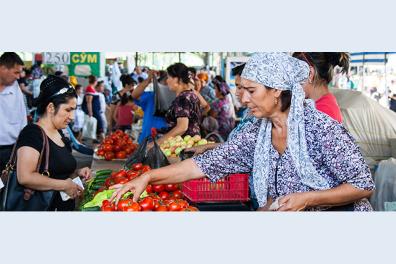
x=100, y=152
x=156, y=204
x=123, y=203
x=146, y=168
x=108, y=148
x=132, y=175
x=164, y=195
x=178, y=194
x=158, y=188
x=174, y=206
x=121, y=180
x=121, y=155
x=129, y=141
x=107, y=208
x=109, y=156
x=149, y=188
x=134, y=207
x=120, y=173
x=108, y=141
x=109, y=182
x=183, y=204
x=147, y=204
x=137, y=166
x=161, y=208
x=171, y=187
x=128, y=150
x=106, y=202
x=192, y=208
x=117, y=148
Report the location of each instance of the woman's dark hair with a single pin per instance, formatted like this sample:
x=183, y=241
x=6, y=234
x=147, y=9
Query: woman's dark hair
x=162, y=76
x=285, y=98
x=126, y=79
x=219, y=78
x=91, y=79
x=324, y=63
x=78, y=87
x=99, y=83
x=180, y=71
x=237, y=70
x=48, y=89
x=125, y=98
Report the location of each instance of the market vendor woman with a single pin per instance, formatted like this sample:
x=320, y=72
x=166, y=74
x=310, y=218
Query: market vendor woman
x=184, y=114
x=295, y=153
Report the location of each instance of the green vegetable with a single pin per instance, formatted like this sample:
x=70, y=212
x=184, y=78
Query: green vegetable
x=106, y=195
x=91, y=209
x=103, y=172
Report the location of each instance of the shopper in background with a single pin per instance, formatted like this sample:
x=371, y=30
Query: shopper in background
x=12, y=107
x=222, y=108
x=123, y=113
x=91, y=105
x=78, y=123
x=100, y=88
x=128, y=85
x=145, y=99
x=322, y=66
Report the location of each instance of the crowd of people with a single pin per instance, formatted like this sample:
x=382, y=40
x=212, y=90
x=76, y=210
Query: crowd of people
x=289, y=138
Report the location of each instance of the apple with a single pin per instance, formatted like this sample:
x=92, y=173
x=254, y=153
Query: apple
x=187, y=138
x=202, y=142
x=196, y=138
x=167, y=152
x=178, y=150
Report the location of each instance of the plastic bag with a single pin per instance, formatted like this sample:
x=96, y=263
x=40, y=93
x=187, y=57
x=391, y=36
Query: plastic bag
x=139, y=155
x=163, y=98
x=155, y=157
x=89, y=128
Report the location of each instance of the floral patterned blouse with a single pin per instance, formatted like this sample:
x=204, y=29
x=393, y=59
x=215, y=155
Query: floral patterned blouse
x=332, y=149
x=222, y=108
x=186, y=104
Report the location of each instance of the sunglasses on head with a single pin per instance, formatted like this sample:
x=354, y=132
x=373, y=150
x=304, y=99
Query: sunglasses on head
x=67, y=90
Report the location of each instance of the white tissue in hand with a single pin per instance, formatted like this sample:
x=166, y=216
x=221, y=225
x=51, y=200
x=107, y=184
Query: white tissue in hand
x=77, y=181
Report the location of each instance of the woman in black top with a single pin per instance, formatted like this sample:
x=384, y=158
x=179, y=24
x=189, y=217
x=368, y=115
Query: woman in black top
x=55, y=105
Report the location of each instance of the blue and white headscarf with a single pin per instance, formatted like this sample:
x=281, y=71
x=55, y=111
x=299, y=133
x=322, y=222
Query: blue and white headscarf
x=283, y=72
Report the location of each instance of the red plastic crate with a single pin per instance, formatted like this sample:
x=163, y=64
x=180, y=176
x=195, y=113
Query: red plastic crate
x=234, y=187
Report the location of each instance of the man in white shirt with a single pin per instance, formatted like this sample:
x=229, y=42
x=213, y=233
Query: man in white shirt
x=12, y=108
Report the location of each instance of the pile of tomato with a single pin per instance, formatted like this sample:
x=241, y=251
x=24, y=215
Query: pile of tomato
x=121, y=177
x=161, y=198
x=117, y=145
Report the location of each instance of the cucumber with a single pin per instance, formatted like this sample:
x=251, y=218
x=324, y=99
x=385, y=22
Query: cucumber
x=96, y=187
x=91, y=209
x=103, y=172
x=104, y=177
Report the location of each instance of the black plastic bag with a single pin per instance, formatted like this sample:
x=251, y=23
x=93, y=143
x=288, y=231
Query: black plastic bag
x=163, y=98
x=139, y=155
x=155, y=157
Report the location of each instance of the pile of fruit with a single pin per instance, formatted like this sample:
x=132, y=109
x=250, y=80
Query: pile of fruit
x=159, y=198
x=174, y=145
x=117, y=145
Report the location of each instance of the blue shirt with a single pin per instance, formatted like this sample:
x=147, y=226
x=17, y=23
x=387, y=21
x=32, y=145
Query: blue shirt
x=146, y=102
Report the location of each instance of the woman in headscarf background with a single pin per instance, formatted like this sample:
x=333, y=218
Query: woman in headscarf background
x=321, y=71
x=222, y=108
x=299, y=156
